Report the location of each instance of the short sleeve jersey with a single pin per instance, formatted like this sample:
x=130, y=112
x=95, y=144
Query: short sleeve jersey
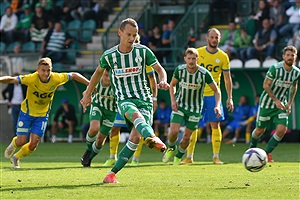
x=282, y=82
x=39, y=95
x=128, y=71
x=191, y=87
x=215, y=63
x=105, y=97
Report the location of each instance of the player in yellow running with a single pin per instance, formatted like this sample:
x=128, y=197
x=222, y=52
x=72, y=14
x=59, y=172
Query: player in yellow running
x=33, y=118
x=217, y=62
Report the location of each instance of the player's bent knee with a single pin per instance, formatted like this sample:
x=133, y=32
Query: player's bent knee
x=186, y=137
x=20, y=142
x=32, y=146
x=93, y=131
x=100, y=140
x=281, y=130
x=259, y=131
x=135, y=139
x=113, y=134
x=132, y=113
x=136, y=115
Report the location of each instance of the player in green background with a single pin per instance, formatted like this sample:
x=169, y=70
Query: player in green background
x=187, y=102
x=280, y=87
x=127, y=62
x=120, y=122
x=102, y=116
x=216, y=62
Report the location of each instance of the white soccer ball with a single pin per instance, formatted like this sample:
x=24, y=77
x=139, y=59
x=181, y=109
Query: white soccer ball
x=255, y=159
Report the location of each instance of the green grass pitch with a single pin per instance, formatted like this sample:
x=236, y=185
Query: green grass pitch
x=54, y=171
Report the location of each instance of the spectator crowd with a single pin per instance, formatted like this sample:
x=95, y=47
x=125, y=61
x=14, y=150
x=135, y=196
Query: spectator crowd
x=276, y=22
x=45, y=22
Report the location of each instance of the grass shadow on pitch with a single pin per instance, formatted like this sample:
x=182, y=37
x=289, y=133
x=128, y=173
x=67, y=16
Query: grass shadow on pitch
x=71, y=186
x=40, y=168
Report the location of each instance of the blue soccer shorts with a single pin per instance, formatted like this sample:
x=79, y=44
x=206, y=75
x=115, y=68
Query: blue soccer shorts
x=28, y=124
x=209, y=103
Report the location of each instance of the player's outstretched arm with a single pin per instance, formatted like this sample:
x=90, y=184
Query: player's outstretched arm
x=9, y=79
x=79, y=78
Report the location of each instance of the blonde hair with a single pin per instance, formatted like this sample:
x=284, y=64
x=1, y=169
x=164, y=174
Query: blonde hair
x=192, y=50
x=45, y=61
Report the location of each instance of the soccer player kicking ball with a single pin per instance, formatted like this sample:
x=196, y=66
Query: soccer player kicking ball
x=120, y=122
x=33, y=118
x=187, y=104
x=102, y=116
x=127, y=62
x=280, y=87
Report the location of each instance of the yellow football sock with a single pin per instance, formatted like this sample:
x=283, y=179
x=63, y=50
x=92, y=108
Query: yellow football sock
x=248, y=135
x=138, y=151
x=199, y=133
x=114, y=144
x=216, y=139
x=251, y=119
x=14, y=142
x=193, y=141
x=156, y=134
x=24, y=151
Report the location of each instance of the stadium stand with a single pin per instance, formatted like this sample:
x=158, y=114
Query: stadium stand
x=269, y=62
x=28, y=47
x=2, y=48
x=71, y=53
x=73, y=28
x=38, y=46
x=244, y=8
x=10, y=47
x=87, y=30
x=236, y=63
x=252, y=63
x=3, y=6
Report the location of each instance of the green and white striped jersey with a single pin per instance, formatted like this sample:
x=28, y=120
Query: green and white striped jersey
x=189, y=94
x=282, y=82
x=105, y=97
x=128, y=71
